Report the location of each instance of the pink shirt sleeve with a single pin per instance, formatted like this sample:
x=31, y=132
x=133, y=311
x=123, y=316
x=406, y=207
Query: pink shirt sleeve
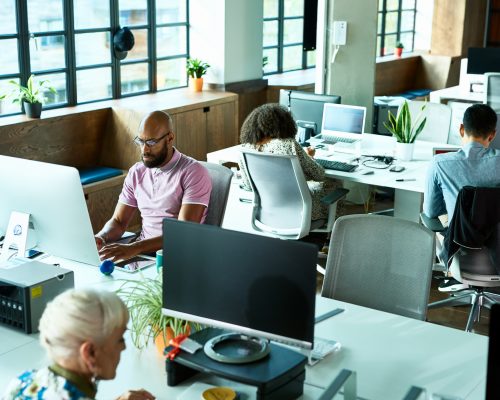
x=197, y=185
x=127, y=195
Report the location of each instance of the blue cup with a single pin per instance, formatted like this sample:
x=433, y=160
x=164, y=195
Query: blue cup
x=159, y=259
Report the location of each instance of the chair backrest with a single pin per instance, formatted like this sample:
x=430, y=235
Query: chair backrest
x=438, y=116
x=282, y=201
x=221, y=182
x=380, y=262
x=492, y=90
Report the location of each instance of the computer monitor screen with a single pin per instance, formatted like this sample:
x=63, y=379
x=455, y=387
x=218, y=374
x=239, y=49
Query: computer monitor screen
x=255, y=285
x=53, y=196
x=340, y=118
x=492, y=384
x=483, y=59
x=307, y=107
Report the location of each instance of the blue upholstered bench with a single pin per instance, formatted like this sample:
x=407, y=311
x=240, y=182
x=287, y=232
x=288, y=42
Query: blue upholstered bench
x=96, y=174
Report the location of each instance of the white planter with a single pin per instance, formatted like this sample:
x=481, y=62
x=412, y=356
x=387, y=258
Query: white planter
x=404, y=151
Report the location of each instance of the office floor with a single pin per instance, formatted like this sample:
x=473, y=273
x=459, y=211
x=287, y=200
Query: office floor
x=454, y=317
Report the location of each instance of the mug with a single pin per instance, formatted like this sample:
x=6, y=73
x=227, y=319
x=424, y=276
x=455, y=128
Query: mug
x=159, y=259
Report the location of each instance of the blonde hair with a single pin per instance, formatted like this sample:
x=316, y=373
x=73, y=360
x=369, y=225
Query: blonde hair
x=79, y=315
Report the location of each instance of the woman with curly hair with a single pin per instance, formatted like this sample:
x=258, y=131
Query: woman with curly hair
x=270, y=128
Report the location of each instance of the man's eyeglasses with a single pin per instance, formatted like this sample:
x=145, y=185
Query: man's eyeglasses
x=149, y=142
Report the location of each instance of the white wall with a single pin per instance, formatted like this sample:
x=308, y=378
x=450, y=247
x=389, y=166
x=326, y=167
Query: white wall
x=352, y=75
x=228, y=35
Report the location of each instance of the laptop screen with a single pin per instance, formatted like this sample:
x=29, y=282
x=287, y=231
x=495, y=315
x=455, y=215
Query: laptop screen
x=340, y=118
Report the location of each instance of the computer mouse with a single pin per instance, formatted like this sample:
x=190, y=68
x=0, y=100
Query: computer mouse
x=397, y=168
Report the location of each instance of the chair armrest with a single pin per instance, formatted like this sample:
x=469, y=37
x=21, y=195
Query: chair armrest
x=334, y=196
x=434, y=224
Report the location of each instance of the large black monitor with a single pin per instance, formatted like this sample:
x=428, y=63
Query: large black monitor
x=255, y=285
x=492, y=384
x=307, y=110
x=483, y=59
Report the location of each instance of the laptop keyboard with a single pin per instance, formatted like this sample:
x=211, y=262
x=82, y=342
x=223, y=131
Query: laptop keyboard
x=336, y=139
x=336, y=165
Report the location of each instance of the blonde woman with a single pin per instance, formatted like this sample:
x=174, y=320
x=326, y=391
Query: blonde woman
x=82, y=332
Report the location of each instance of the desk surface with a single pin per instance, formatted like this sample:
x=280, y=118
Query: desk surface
x=456, y=93
x=389, y=352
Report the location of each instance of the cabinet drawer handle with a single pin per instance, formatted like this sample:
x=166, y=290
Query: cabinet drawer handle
x=206, y=109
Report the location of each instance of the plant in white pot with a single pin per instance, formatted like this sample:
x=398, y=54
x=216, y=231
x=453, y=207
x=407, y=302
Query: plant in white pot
x=31, y=95
x=404, y=130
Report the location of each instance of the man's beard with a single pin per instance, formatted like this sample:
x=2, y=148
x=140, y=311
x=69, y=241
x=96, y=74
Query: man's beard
x=157, y=160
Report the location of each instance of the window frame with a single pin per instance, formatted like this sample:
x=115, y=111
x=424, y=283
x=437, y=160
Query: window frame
x=69, y=32
x=382, y=13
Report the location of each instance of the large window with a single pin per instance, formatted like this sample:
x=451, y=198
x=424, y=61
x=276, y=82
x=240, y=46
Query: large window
x=396, y=23
x=69, y=42
x=282, y=39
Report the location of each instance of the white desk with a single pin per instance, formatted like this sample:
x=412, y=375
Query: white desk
x=389, y=352
x=408, y=194
x=456, y=93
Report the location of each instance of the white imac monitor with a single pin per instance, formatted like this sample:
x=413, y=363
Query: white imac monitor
x=53, y=196
x=343, y=120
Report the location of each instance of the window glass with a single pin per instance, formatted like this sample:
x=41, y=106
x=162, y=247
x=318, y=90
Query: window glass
x=293, y=31
x=392, y=5
x=168, y=11
x=7, y=17
x=294, y=8
x=171, y=73
x=47, y=52
x=92, y=48
x=270, y=33
x=133, y=12
x=391, y=22
x=6, y=105
x=170, y=41
x=379, y=43
x=271, y=8
x=379, y=23
x=292, y=58
x=408, y=4
x=311, y=58
x=91, y=14
x=406, y=39
x=140, y=49
x=45, y=15
x=93, y=84
x=272, y=60
x=380, y=5
x=390, y=43
x=10, y=61
x=58, y=82
x=134, y=78
x=407, y=20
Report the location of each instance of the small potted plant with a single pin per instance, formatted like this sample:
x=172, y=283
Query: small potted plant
x=196, y=69
x=144, y=298
x=398, y=50
x=404, y=130
x=31, y=95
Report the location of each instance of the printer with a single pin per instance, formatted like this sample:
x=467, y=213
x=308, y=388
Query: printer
x=25, y=289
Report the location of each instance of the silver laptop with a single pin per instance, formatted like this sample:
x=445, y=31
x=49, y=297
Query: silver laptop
x=342, y=123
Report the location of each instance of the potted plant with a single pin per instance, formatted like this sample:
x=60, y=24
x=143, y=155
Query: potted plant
x=31, y=95
x=398, y=50
x=196, y=69
x=404, y=130
x=144, y=298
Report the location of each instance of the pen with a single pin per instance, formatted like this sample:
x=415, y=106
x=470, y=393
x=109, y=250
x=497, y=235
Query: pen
x=405, y=180
x=328, y=314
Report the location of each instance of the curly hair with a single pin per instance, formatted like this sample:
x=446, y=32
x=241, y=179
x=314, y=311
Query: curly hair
x=268, y=121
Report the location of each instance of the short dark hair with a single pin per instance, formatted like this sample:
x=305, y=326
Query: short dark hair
x=480, y=121
x=268, y=121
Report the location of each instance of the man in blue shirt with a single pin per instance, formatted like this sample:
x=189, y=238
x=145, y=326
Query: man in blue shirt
x=475, y=164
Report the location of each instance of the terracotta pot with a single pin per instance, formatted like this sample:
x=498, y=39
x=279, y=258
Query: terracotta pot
x=196, y=84
x=398, y=51
x=169, y=334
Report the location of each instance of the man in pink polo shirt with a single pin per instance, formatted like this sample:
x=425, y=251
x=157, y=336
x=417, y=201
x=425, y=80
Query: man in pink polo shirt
x=166, y=184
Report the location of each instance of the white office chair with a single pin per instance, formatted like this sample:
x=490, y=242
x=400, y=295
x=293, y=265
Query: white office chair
x=282, y=202
x=492, y=90
x=221, y=182
x=438, y=122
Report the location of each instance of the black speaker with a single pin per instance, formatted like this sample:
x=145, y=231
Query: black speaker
x=310, y=22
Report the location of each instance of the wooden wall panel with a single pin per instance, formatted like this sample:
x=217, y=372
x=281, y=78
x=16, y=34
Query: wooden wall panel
x=396, y=76
x=191, y=133
x=222, y=130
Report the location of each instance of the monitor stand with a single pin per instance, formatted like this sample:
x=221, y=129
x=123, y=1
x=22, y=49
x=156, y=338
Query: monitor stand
x=235, y=348
x=280, y=375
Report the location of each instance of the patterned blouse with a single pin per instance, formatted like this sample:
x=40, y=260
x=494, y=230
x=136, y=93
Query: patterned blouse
x=313, y=172
x=46, y=384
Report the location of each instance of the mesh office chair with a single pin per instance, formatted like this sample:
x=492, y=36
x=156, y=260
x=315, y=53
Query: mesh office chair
x=477, y=266
x=492, y=90
x=282, y=202
x=221, y=183
x=438, y=116
x=380, y=262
